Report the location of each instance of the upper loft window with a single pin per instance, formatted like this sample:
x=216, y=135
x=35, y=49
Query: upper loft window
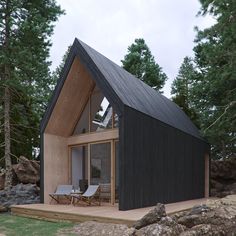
x=98, y=115
x=101, y=112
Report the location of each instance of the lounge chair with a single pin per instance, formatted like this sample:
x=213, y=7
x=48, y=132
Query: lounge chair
x=105, y=191
x=63, y=191
x=92, y=193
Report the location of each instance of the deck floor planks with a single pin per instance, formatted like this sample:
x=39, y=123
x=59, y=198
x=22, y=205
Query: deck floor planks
x=104, y=213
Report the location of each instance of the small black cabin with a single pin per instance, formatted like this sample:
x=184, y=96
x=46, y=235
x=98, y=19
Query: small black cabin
x=104, y=126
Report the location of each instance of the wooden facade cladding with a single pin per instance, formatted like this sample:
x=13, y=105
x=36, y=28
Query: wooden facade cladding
x=56, y=163
x=93, y=137
x=173, y=160
x=73, y=97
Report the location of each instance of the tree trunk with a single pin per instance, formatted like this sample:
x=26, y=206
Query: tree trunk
x=6, y=101
x=7, y=137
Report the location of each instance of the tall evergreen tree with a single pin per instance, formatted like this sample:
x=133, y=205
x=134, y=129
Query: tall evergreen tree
x=215, y=89
x=181, y=88
x=57, y=72
x=25, y=28
x=140, y=62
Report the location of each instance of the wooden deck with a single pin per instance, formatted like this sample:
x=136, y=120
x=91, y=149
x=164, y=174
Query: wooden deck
x=105, y=213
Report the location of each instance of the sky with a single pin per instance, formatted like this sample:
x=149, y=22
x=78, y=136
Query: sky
x=110, y=26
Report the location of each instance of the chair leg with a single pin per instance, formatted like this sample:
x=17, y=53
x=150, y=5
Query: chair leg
x=53, y=198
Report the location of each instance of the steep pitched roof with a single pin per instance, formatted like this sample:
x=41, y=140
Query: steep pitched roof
x=123, y=87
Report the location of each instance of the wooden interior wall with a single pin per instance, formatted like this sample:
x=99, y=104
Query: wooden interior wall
x=71, y=101
x=56, y=163
x=158, y=163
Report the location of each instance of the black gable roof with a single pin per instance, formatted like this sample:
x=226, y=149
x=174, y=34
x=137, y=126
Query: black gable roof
x=136, y=94
x=123, y=88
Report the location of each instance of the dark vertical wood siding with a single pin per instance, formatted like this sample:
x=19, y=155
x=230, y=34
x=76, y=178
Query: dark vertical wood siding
x=158, y=162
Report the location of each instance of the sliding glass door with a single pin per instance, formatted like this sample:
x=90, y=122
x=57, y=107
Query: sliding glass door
x=100, y=159
x=79, y=166
x=97, y=164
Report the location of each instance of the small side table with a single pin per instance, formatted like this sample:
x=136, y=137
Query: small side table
x=75, y=195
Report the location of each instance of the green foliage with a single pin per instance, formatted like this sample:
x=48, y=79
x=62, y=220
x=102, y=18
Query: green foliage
x=26, y=27
x=181, y=88
x=215, y=87
x=57, y=72
x=15, y=225
x=140, y=62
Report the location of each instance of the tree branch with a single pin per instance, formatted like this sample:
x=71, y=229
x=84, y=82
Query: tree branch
x=227, y=107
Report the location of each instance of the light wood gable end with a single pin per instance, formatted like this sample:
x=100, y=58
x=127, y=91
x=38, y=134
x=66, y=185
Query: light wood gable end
x=73, y=97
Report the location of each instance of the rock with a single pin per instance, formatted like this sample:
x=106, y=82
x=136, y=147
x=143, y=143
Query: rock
x=153, y=216
x=216, y=203
x=27, y=171
x=166, y=226
x=217, y=217
x=2, y=180
x=224, y=169
x=204, y=229
x=223, y=177
x=19, y=194
x=220, y=216
x=3, y=209
x=91, y=228
x=191, y=220
x=217, y=185
x=229, y=200
x=198, y=209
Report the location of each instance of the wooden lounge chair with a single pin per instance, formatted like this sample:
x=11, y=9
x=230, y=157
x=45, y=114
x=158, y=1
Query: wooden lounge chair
x=63, y=191
x=91, y=194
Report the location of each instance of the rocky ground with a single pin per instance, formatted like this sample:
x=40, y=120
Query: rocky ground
x=18, y=195
x=217, y=217
x=223, y=177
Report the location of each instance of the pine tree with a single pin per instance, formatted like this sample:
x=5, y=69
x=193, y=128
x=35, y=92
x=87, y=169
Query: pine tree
x=141, y=63
x=25, y=28
x=181, y=88
x=215, y=88
x=57, y=72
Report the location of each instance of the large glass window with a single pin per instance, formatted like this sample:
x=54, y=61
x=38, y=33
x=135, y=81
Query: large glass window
x=79, y=167
x=100, y=157
x=101, y=112
x=97, y=115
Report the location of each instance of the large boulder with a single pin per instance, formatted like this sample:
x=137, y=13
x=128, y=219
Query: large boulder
x=27, y=171
x=224, y=169
x=166, y=226
x=223, y=177
x=153, y=216
x=18, y=195
x=216, y=216
x=102, y=229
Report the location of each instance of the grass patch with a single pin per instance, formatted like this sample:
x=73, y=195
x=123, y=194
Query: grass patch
x=21, y=226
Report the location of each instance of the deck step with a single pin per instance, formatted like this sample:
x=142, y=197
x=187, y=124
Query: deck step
x=65, y=216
